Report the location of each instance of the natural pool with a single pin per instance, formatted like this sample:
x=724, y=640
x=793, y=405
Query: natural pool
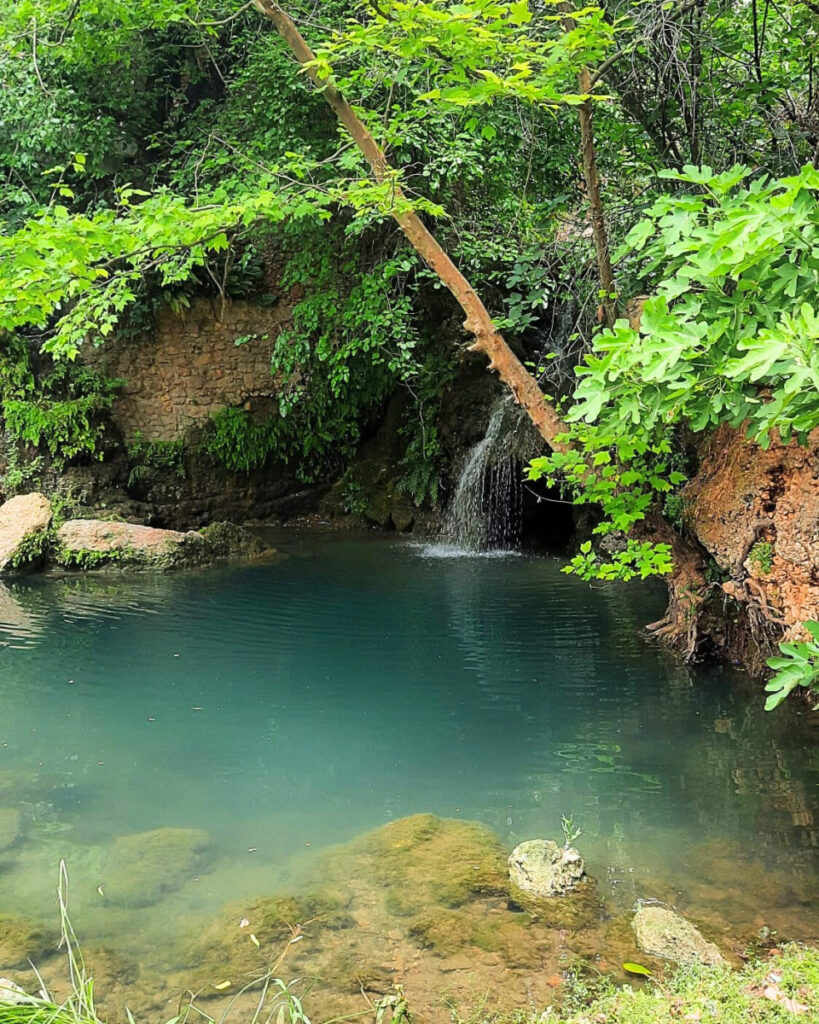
x=285, y=707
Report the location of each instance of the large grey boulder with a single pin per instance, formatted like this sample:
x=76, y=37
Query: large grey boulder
x=540, y=867
x=23, y=524
x=661, y=932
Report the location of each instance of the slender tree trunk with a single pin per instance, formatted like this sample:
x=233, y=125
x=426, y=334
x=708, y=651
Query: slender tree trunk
x=488, y=339
x=588, y=156
x=598, y=217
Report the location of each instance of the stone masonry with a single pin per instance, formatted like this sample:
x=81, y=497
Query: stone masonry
x=191, y=367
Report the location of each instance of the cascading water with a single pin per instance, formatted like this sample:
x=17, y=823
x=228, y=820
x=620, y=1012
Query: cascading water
x=485, y=510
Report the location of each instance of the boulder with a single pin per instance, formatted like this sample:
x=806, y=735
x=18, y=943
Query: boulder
x=661, y=932
x=24, y=521
x=22, y=941
x=227, y=540
x=89, y=543
x=142, y=868
x=539, y=867
x=9, y=826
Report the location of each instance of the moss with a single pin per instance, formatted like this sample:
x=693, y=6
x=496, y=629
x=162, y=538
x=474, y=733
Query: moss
x=761, y=556
x=423, y=860
x=227, y=540
x=229, y=951
x=140, y=869
x=22, y=940
x=445, y=932
x=84, y=558
x=579, y=909
x=31, y=550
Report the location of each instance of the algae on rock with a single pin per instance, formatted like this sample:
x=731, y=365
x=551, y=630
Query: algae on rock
x=22, y=941
x=142, y=868
x=661, y=932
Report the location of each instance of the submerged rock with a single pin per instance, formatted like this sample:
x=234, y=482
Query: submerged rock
x=247, y=937
x=661, y=932
x=10, y=818
x=423, y=860
x=24, y=521
x=142, y=868
x=539, y=867
x=22, y=941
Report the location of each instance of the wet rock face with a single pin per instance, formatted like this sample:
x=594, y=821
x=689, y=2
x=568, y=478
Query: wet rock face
x=22, y=520
x=140, y=869
x=541, y=868
x=661, y=932
x=755, y=511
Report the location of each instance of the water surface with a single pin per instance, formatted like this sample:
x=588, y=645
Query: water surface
x=287, y=706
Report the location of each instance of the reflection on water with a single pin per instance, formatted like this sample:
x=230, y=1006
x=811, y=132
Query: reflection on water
x=286, y=707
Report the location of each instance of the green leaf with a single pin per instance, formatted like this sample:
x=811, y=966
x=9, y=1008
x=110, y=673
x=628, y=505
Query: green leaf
x=636, y=969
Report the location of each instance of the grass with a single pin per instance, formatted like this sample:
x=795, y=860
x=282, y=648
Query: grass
x=780, y=987
x=783, y=987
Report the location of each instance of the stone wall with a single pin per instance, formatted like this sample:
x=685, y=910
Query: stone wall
x=191, y=367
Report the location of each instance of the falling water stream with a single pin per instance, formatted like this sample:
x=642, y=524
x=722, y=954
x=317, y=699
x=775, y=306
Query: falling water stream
x=485, y=510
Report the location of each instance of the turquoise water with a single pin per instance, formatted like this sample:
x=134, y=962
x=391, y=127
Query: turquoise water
x=287, y=706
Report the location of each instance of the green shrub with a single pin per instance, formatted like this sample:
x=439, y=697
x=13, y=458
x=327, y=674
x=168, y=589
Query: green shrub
x=62, y=412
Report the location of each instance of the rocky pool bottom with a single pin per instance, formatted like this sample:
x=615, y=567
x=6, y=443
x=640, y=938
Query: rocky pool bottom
x=423, y=902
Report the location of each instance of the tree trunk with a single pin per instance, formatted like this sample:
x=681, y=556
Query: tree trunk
x=588, y=157
x=488, y=339
x=598, y=219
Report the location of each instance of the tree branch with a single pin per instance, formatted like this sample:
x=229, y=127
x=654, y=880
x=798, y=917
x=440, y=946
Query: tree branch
x=488, y=340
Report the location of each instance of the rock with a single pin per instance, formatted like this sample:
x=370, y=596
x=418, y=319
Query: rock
x=89, y=543
x=227, y=540
x=661, y=932
x=22, y=941
x=24, y=521
x=227, y=951
x=140, y=869
x=541, y=868
x=11, y=994
x=9, y=826
x=424, y=861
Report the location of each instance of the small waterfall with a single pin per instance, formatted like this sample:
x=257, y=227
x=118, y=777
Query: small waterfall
x=485, y=510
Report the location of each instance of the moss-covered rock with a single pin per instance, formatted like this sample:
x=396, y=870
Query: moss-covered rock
x=140, y=869
x=661, y=932
x=227, y=540
x=92, y=543
x=424, y=860
x=22, y=940
x=246, y=938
